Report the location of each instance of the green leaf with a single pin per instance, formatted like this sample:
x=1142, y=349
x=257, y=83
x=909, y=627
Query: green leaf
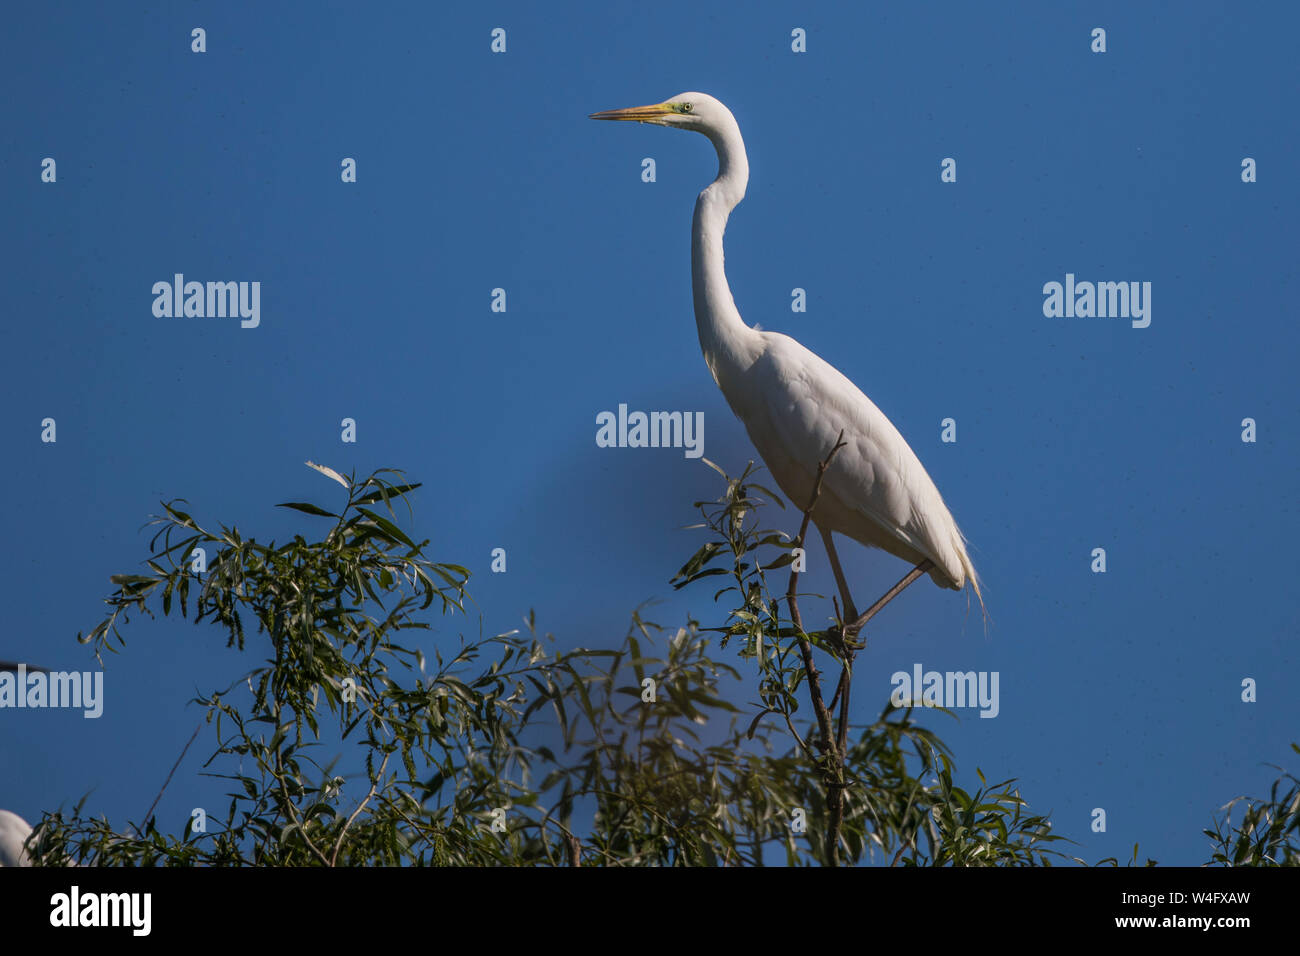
x=715, y=468
x=388, y=527
x=307, y=508
x=384, y=493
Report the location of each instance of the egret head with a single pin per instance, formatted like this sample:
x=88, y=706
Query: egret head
x=694, y=111
x=703, y=114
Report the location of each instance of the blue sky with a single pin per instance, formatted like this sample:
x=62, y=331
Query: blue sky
x=478, y=170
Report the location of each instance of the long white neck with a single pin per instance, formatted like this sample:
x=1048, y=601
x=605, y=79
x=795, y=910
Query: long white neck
x=726, y=341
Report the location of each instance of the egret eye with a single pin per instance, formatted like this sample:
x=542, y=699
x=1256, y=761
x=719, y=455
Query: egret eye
x=686, y=107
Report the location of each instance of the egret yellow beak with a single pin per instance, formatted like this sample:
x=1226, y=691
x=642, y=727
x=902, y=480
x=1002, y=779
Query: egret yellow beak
x=641, y=114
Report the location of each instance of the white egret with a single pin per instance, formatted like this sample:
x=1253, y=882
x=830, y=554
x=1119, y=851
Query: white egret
x=794, y=405
x=14, y=831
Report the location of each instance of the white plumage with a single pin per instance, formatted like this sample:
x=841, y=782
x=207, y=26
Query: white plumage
x=876, y=491
x=793, y=403
x=14, y=832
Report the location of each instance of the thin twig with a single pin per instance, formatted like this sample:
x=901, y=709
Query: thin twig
x=149, y=812
x=798, y=739
x=338, y=845
x=288, y=805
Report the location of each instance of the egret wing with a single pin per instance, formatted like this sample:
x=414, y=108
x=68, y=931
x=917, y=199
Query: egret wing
x=884, y=494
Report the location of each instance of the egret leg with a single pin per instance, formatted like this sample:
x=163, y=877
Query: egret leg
x=850, y=610
x=892, y=593
x=842, y=688
x=851, y=626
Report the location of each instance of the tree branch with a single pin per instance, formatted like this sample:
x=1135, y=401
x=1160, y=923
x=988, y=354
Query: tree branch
x=832, y=754
x=338, y=844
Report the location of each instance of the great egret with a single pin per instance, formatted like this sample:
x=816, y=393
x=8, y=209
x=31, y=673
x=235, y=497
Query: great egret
x=794, y=404
x=14, y=831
